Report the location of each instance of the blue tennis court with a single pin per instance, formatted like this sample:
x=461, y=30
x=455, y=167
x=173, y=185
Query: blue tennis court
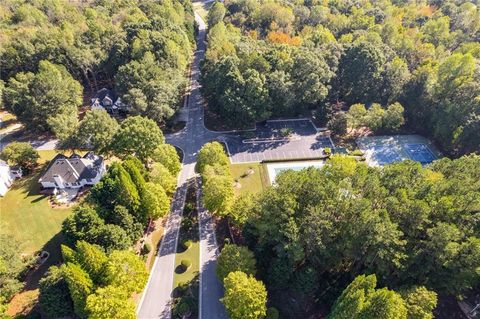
x=420, y=153
x=384, y=155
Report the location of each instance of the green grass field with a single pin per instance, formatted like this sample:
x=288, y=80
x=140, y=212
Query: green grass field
x=192, y=254
x=252, y=183
x=27, y=215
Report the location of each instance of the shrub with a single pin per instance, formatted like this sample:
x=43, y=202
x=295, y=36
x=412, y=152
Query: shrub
x=187, y=244
x=181, y=309
x=357, y=152
x=147, y=248
x=327, y=151
x=186, y=263
x=272, y=313
x=286, y=131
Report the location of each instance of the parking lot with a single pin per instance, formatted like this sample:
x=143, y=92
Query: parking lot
x=268, y=143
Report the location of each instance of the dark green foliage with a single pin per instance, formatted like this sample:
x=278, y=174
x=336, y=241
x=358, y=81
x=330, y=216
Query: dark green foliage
x=96, y=42
x=359, y=72
x=361, y=299
x=80, y=286
x=117, y=188
x=84, y=224
x=407, y=224
x=54, y=298
x=113, y=237
x=338, y=124
x=255, y=85
x=116, y=277
x=137, y=136
x=235, y=258
x=96, y=131
x=39, y=99
x=11, y=268
x=122, y=217
x=375, y=52
x=21, y=154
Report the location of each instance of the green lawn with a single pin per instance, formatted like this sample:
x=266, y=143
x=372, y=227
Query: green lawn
x=26, y=214
x=252, y=183
x=192, y=254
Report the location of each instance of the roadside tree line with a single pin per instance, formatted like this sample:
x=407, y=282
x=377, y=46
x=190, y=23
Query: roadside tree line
x=101, y=271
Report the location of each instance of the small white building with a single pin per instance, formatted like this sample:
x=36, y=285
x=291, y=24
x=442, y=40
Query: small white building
x=6, y=178
x=73, y=172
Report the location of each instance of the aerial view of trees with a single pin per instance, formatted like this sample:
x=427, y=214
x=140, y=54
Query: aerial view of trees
x=412, y=226
x=100, y=272
x=21, y=154
x=286, y=58
x=53, y=53
x=92, y=283
x=218, y=194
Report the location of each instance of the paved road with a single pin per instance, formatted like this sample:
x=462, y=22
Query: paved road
x=156, y=300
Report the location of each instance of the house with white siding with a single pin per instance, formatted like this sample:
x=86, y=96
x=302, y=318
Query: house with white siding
x=73, y=172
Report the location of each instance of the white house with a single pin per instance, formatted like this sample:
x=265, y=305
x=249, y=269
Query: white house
x=73, y=172
x=6, y=178
x=107, y=100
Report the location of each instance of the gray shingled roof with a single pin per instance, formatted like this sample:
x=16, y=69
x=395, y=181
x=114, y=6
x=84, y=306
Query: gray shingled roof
x=74, y=168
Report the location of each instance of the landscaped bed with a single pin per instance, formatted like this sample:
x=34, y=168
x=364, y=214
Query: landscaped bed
x=186, y=277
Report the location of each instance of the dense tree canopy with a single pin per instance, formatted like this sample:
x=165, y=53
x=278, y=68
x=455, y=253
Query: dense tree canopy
x=99, y=285
x=245, y=297
x=235, y=258
x=361, y=299
x=137, y=136
x=21, y=154
x=410, y=225
x=110, y=302
x=54, y=297
x=38, y=99
x=11, y=268
x=141, y=48
x=95, y=131
x=283, y=58
x=218, y=195
x=167, y=155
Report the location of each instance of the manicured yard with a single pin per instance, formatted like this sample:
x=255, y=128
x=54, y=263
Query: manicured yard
x=192, y=254
x=252, y=183
x=27, y=215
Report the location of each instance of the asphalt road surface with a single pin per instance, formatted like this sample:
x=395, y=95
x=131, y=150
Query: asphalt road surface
x=156, y=300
